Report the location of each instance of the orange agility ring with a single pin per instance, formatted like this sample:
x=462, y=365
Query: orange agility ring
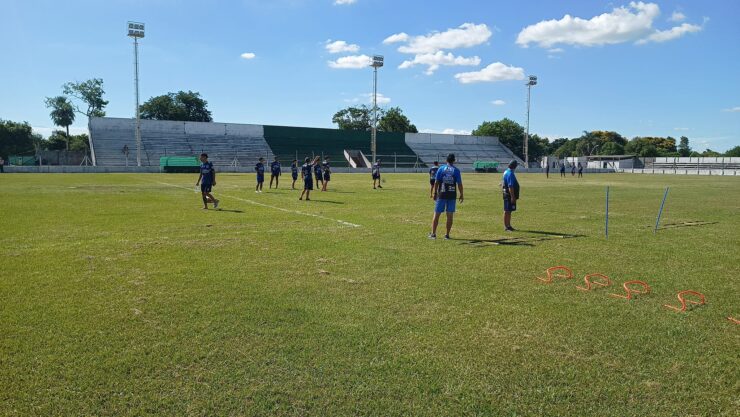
x=604, y=281
x=682, y=299
x=562, y=272
x=630, y=291
x=734, y=320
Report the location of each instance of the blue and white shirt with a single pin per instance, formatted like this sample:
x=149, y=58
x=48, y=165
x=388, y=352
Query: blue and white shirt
x=260, y=169
x=206, y=170
x=449, y=178
x=275, y=168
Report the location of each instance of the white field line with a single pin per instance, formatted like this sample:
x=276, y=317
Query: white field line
x=256, y=203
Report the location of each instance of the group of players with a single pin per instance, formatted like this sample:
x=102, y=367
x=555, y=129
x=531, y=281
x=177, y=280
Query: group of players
x=445, y=181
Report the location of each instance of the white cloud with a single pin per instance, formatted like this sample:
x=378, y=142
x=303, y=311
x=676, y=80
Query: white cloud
x=47, y=131
x=344, y=2
x=351, y=62
x=248, y=55
x=447, y=131
x=677, y=17
x=733, y=109
x=337, y=47
x=498, y=102
x=465, y=36
x=433, y=61
x=398, y=37
x=494, y=72
x=623, y=24
x=670, y=34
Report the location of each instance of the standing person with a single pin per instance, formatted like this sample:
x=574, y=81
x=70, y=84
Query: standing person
x=376, y=174
x=510, y=187
x=547, y=170
x=562, y=169
x=319, y=174
x=447, y=180
x=294, y=171
x=432, y=178
x=207, y=180
x=327, y=173
x=2, y=164
x=260, y=170
x=572, y=170
x=275, y=172
x=580, y=170
x=306, y=173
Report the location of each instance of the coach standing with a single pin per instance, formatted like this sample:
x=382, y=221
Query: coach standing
x=510, y=187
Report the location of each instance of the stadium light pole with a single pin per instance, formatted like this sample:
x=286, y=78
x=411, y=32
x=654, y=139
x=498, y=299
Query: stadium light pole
x=532, y=82
x=377, y=63
x=136, y=31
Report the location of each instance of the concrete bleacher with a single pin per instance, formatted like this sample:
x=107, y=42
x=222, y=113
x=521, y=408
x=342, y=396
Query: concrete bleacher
x=695, y=163
x=432, y=147
x=223, y=142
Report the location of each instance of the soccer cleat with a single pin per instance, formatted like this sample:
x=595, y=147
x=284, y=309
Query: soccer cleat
x=215, y=203
x=432, y=236
x=447, y=237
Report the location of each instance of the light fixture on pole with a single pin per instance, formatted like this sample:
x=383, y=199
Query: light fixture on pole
x=136, y=31
x=532, y=81
x=377, y=63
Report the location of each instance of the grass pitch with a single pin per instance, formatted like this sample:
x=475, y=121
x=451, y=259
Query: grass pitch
x=120, y=296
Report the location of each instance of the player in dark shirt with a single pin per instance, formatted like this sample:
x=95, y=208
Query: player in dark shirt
x=432, y=178
x=376, y=174
x=294, y=171
x=306, y=175
x=327, y=173
x=276, y=171
x=580, y=170
x=206, y=180
x=260, y=170
x=319, y=174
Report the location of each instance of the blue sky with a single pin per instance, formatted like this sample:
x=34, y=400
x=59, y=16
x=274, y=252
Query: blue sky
x=663, y=68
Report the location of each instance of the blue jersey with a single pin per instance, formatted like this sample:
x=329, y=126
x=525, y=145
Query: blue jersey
x=510, y=181
x=206, y=170
x=307, y=171
x=294, y=168
x=326, y=167
x=260, y=169
x=376, y=170
x=433, y=173
x=275, y=168
x=317, y=170
x=449, y=178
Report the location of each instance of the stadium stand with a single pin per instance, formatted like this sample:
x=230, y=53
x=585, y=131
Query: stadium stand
x=467, y=149
x=696, y=163
x=225, y=143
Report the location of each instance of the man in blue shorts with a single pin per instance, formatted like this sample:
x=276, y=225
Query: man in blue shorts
x=510, y=188
x=319, y=174
x=275, y=171
x=306, y=173
x=432, y=175
x=446, y=183
x=260, y=170
x=294, y=172
x=376, y=174
x=327, y=173
x=206, y=180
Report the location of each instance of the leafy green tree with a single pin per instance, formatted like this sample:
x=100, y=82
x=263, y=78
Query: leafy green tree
x=89, y=93
x=16, y=139
x=734, y=152
x=62, y=113
x=509, y=132
x=611, y=148
x=79, y=142
x=394, y=120
x=567, y=149
x=652, y=146
x=555, y=145
x=684, y=149
x=181, y=106
x=57, y=141
x=355, y=118
x=710, y=153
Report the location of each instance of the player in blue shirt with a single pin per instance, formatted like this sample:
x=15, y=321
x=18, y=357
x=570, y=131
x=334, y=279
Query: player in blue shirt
x=294, y=171
x=562, y=170
x=510, y=188
x=319, y=174
x=376, y=174
x=276, y=171
x=206, y=180
x=432, y=176
x=260, y=170
x=306, y=173
x=446, y=183
x=327, y=173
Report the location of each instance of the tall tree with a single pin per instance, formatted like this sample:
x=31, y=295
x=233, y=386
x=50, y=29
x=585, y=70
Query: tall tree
x=509, y=132
x=734, y=152
x=394, y=120
x=16, y=138
x=90, y=93
x=684, y=149
x=181, y=106
x=355, y=118
x=62, y=113
x=652, y=146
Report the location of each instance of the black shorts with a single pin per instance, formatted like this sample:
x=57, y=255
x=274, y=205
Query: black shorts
x=376, y=177
x=205, y=187
x=327, y=177
x=308, y=184
x=431, y=182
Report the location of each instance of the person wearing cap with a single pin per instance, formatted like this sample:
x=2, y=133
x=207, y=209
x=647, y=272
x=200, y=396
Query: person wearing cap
x=446, y=183
x=376, y=174
x=432, y=177
x=510, y=188
x=260, y=170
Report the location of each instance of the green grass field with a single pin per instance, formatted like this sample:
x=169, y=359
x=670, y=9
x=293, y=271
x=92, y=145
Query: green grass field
x=119, y=296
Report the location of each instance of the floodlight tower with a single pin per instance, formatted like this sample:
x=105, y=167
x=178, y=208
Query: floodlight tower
x=136, y=31
x=532, y=82
x=377, y=63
